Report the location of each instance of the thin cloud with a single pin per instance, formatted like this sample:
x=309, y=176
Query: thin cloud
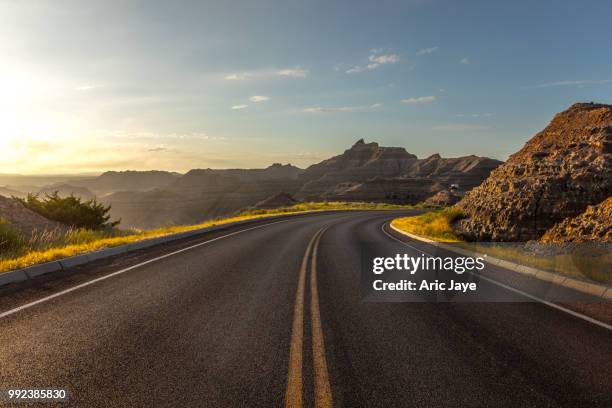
x=574, y=83
x=296, y=72
x=293, y=72
x=419, y=100
x=356, y=69
x=384, y=59
x=465, y=61
x=321, y=109
x=376, y=60
x=475, y=115
x=237, y=77
x=157, y=149
x=154, y=136
x=426, y=51
x=239, y=107
x=259, y=98
x=460, y=127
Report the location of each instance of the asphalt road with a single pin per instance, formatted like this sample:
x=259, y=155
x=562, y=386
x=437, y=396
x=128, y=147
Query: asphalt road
x=251, y=320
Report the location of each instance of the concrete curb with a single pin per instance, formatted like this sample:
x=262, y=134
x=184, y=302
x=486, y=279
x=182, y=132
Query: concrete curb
x=13, y=276
x=590, y=288
x=33, y=271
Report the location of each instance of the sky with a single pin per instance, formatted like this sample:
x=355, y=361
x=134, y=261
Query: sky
x=88, y=86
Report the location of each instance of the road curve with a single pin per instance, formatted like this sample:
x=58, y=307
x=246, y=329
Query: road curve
x=236, y=322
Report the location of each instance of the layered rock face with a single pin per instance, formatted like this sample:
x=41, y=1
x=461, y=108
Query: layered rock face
x=556, y=175
x=593, y=225
x=407, y=190
x=467, y=172
x=361, y=162
x=368, y=172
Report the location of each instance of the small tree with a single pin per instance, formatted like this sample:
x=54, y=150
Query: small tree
x=71, y=210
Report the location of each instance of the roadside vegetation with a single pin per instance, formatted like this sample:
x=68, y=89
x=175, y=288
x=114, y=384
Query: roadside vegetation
x=71, y=211
x=326, y=206
x=583, y=262
x=435, y=225
x=18, y=251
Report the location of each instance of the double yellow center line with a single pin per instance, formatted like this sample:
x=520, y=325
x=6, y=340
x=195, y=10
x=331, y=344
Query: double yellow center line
x=322, y=388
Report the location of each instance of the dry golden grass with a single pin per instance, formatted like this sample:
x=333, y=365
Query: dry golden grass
x=327, y=206
x=435, y=225
x=52, y=246
x=581, y=263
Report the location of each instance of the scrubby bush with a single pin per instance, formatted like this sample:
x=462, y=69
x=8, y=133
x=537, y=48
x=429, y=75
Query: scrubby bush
x=71, y=211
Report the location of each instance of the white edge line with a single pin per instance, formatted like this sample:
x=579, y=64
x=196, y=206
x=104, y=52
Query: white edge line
x=119, y=272
x=510, y=288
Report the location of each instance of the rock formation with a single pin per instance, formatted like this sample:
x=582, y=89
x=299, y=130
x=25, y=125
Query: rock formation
x=443, y=198
x=278, y=200
x=365, y=172
x=369, y=172
x=202, y=194
x=466, y=172
x=593, y=225
x=113, y=181
x=556, y=175
x=25, y=220
x=405, y=190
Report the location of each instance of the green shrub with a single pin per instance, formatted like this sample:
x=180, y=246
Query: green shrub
x=71, y=211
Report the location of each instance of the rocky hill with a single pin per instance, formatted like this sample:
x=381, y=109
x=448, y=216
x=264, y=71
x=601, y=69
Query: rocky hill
x=556, y=175
x=113, y=181
x=443, y=198
x=273, y=172
x=278, y=200
x=403, y=190
x=467, y=171
x=201, y=194
x=10, y=192
x=364, y=158
x=593, y=225
x=368, y=171
x=25, y=220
